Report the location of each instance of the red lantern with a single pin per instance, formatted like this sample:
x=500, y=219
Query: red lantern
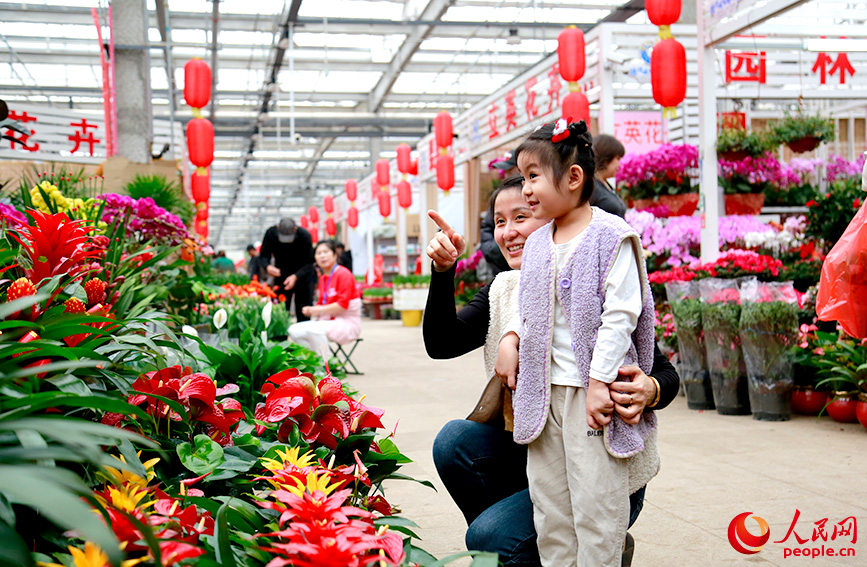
x=352, y=217
x=328, y=204
x=404, y=162
x=668, y=73
x=384, y=203
x=197, y=83
x=313, y=213
x=383, y=172
x=663, y=12
x=445, y=172
x=314, y=234
x=570, y=54
x=304, y=221
x=413, y=168
x=202, y=212
x=351, y=190
x=404, y=194
x=202, y=228
x=374, y=188
x=443, y=129
x=577, y=106
x=201, y=186
x=200, y=141
x=330, y=227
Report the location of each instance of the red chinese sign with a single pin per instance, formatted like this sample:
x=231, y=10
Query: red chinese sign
x=20, y=137
x=83, y=135
x=840, y=65
x=745, y=66
x=530, y=105
x=845, y=528
x=554, y=86
x=511, y=112
x=492, y=121
x=638, y=131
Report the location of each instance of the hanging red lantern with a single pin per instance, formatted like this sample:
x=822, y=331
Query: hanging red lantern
x=351, y=190
x=202, y=228
x=328, y=204
x=668, y=74
x=577, y=106
x=197, y=83
x=413, y=168
x=663, y=12
x=313, y=213
x=330, y=227
x=570, y=54
x=443, y=129
x=202, y=212
x=314, y=234
x=201, y=187
x=404, y=161
x=446, y=172
x=384, y=203
x=304, y=221
x=200, y=142
x=383, y=172
x=352, y=217
x=404, y=194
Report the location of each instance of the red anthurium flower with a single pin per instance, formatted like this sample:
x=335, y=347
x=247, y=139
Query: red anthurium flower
x=175, y=551
x=378, y=504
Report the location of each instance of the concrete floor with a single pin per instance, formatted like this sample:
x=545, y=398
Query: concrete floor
x=714, y=467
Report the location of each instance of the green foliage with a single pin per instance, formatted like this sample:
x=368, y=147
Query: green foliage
x=202, y=457
x=739, y=140
x=803, y=273
x=377, y=292
x=829, y=214
x=769, y=333
x=411, y=281
x=796, y=196
x=166, y=194
x=798, y=126
x=843, y=364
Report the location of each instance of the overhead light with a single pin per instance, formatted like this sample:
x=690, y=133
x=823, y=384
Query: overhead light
x=836, y=45
x=514, y=38
x=284, y=43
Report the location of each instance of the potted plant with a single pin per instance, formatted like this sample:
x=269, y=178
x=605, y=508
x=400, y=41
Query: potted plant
x=769, y=333
x=744, y=182
x=802, y=132
x=661, y=178
x=685, y=301
x=806, y=398
x=410, y=297
x=736, y=143
x=720, y=318
x=843, y=367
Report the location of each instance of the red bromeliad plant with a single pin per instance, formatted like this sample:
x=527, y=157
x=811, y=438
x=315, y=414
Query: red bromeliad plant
x=321, y=413
x=196, y=393
x=55, y=245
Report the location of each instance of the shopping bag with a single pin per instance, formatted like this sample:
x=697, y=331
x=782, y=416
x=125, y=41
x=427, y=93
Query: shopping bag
x=842, y=293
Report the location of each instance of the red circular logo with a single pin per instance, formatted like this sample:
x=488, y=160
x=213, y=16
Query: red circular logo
x=742, y=540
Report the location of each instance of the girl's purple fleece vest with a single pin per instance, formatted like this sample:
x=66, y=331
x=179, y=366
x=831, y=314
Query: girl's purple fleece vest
x=580, y=289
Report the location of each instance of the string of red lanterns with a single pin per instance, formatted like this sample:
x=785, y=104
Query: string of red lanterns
x=330, y=223
x=404, y=166
x=351, y=187
x=200, y=139
x=383, y=178
x=668, y=60
x=445, y=162
x=571, y=60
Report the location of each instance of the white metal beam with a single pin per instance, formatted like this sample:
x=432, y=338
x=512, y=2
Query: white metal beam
x=745, y=19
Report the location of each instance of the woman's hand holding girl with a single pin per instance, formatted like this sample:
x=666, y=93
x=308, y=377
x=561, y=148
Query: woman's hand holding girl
x=445, y=247
x=599, y=404
x=632, y=397
x=506, y=366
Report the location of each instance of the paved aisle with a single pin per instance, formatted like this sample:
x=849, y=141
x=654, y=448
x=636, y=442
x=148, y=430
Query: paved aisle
x=713, y=467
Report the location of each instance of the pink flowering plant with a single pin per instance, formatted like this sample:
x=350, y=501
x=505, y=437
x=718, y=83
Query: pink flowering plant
x=840, y=168
x=755, y=175
x=668, y=170
x=147, y=221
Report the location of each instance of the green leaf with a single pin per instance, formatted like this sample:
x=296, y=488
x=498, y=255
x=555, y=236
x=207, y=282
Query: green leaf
x=480, y=559
x=221, y=532
x=203, y=457
x=390, y=450
x=7, y=309
x=399, y=476
x=13, y=552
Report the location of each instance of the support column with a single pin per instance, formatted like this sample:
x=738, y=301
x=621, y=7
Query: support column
x=132, y=70
x=429, y=193
x=710, y=193
x=605, y=123
x=472, y=220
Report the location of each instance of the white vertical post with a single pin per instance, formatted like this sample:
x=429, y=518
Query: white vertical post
x=606, y=80
x=401, y=238
x=370, y=253
x=710, y=193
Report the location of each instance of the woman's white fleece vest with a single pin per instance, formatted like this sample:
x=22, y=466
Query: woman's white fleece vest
x=580, y=289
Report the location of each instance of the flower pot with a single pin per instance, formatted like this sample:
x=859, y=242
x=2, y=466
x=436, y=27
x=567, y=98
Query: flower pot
x=734, y=155
x=843, y=408
x=681, y=205
x=411, y=317
x=694, y=375
x=808, y=401
x=861, y=410
x=802, y=145
x=744, y=203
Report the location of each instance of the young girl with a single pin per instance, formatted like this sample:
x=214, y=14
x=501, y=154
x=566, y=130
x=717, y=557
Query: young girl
x=337, y=313
x=584, y=310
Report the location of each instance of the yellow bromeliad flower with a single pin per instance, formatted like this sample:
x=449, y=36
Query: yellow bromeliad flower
x=122, y=476
x=91, y=556
x=314, y=482
x=291, y=457
x=127, y=498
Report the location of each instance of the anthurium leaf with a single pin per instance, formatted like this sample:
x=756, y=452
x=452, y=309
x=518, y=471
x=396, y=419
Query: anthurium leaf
x=225, y=556
x=90, y=402
x=75, y=431
x=204, y=456
x=390, y=450
x=399, y=476
x=50, y=367
x=480, y=559
x=13, y=552
x=55, y=493
x=417, y=555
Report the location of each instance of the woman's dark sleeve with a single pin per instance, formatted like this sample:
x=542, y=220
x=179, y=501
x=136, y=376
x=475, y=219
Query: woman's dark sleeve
x=666, y=375
x=449, y=334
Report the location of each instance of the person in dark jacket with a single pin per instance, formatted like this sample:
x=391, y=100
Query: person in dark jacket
x=483, y=469
x=291, y=247
x=608, y=151
x=257, y=266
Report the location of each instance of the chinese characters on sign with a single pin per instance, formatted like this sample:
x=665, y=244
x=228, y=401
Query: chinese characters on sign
x=745, y=66
x=18, y=137
x=83, y=136
x=638, y=131
x=840, y=65
x=52, y=133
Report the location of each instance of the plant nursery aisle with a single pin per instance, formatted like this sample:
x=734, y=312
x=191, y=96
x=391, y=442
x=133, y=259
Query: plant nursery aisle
x=714, y=467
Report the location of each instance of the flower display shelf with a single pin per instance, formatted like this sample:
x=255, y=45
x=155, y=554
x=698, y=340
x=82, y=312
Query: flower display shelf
x=806, y=144
x=376, y=304
x=744, y=203
x=683, y=205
